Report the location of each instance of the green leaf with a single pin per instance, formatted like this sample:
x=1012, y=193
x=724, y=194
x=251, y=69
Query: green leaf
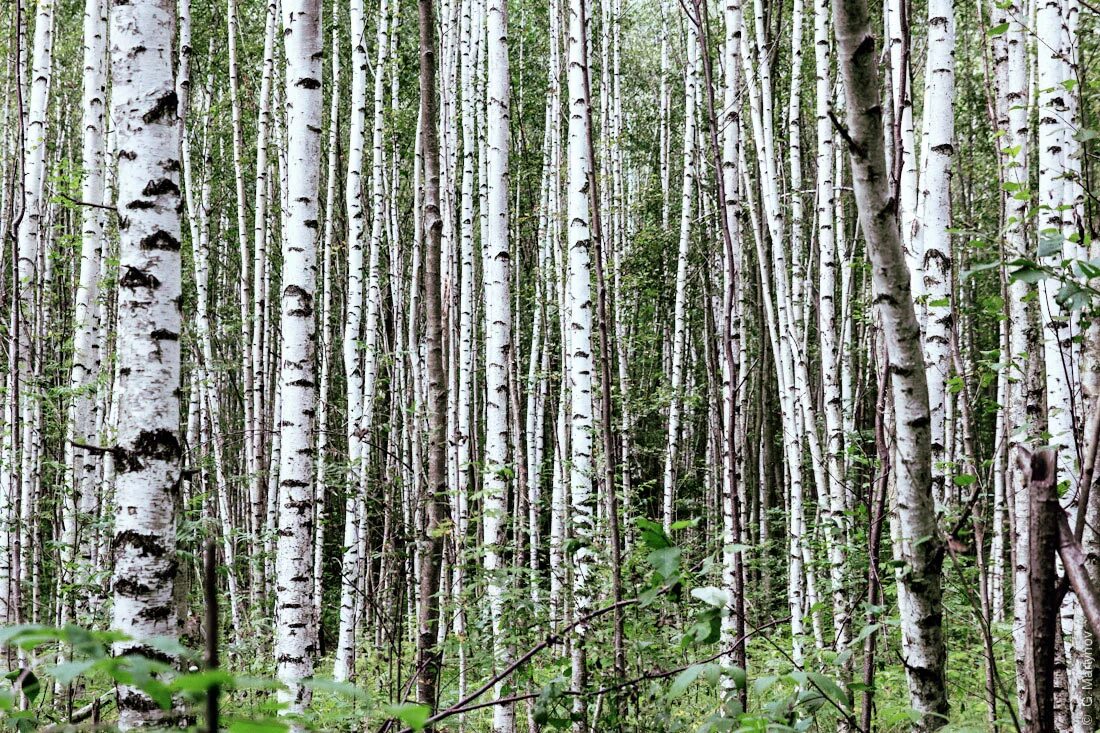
x=980, y=268
x=711, y=596
x=1029, y=275
x=412, y=714
x=706, y=629
x=652, y=534
x=269, y=725
x=762, y=684
x=68, y=671
x=168, y=645
x=158, y=691
x=344, y=689
x=31, y=686
x=964, y=479
x=647, y=596
x=864, y=633
x=202, y=681
x=1050, y=243
x=830, y=688
x=998, y=30
x=738, y=675
x=683, y=681
x=665, y=561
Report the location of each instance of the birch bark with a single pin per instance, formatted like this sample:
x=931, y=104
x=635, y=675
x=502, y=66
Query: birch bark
x=83, y=411
x=148, y=452
x=296, y=626
x=579, y=347
x=921, y=547
x=933, y=223
x=679, y=327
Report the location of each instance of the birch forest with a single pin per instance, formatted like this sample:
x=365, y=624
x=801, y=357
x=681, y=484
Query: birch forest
x=535, y=365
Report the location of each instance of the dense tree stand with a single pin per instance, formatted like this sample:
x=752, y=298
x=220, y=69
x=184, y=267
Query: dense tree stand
x=501, y=366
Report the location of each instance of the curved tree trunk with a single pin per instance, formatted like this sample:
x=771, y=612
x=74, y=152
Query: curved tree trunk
x=921, y=546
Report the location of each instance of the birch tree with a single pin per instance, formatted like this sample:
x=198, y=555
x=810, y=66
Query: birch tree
x=148, y=450
x=921, y=546
x=87, y=357
x=296, y=640
x=498, y=326
x=579, y=344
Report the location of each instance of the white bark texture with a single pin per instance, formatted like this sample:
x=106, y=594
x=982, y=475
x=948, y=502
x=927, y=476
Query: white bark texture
x=933, y=223
x=83, y=410
x=295, y=627
x=495, y=264
x=148, y=453
x=679, y=327
x=579, y=344
x=921, y=548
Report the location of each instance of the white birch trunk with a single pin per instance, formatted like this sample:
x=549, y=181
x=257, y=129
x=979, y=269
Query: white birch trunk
x=295, y=627
x=920, y=545
x=933, y=222
x=148, y=453
x=901, y=140
x=324, y=406
x=579, y=347
x=679, y=327
x=83, y=411
x=1059, y=327
x=834, y=506
x=260, y=306
x=498, y=338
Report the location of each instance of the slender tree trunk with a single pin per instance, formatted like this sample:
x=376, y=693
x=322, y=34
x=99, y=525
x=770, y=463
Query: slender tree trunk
x=296, y=626
x=933, y=222
x=921, y=547
x=679, y=327
x=324, y=406
x=83, y=413
x=430, y=541
x=579, y=350
x=260, y=309
x=498, y=337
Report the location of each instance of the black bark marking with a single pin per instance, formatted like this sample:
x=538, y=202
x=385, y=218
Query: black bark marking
x=161, y=239
x=132, y=588
x=135, y=278
x=160, y=186
x=304, y=308
x=156, y=613
x=128, y=700
x=167, y=104
x=148, y=652
x=148, y=545
x=159, y=444
x=308, y=83
x=162, y=334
